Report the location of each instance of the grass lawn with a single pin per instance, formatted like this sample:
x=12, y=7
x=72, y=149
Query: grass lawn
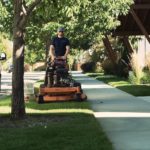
x=52, y=126
x=123, y=84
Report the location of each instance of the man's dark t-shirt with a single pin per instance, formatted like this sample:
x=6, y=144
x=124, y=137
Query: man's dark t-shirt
x=60, y=45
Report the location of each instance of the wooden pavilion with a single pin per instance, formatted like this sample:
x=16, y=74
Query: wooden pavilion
x=136, y=22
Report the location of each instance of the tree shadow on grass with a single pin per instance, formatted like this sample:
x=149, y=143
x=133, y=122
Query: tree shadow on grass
x=73, y=131
x=41, y=120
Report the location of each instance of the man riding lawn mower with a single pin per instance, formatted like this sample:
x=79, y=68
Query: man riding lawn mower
x=59, y=85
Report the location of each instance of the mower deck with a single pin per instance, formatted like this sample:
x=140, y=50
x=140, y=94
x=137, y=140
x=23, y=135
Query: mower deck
x=59, y=90
x=58, y=94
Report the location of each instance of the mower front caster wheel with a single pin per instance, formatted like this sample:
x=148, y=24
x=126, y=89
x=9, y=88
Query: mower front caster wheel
x=80, y=97
x=40, y=99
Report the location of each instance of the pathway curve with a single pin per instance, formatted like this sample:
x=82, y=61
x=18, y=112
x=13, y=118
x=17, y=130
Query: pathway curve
x=124, y=118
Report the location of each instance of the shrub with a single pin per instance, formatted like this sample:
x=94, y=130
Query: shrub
x=133, y=79
x=74, y=58
x=88, y=67
x=122, y=69
x=108, y=67
x=98, y=68
x=146, y=78
x=136, y=67
x=85, y=57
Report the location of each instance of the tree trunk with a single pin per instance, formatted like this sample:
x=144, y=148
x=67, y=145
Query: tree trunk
x=18, y=105
x=21, y=15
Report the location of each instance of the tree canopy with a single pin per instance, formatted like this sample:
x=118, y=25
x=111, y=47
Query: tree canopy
x=85, y=21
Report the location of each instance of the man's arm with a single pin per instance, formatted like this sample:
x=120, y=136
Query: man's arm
x=52, y=52
x=67, y=51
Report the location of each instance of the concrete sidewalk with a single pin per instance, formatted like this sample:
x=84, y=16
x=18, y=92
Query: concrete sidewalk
x=124, y=118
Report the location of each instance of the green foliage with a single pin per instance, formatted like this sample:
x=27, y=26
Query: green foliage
x=133, y=79
x=1, y=44
x=98, y=68
x=5, y=45
x=146, y=78
x=31, y=57
x=137, y=68
x=134, y=41
x=88, y=67
x=74, y=57
x=98, y=55
x=85, y=21
x=108, y=67
x=6, y=16
x=3, y=11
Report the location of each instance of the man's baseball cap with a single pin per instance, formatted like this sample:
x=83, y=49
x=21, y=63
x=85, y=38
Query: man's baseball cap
x=60, y=29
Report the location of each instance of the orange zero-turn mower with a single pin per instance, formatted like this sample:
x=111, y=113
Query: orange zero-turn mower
x=59, y=84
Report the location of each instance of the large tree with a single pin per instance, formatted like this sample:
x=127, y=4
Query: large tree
x=21, y=16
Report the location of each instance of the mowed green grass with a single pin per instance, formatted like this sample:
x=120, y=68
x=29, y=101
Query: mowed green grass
x=77, y=132
x=123, y=84
x=62, y=126
x=5, y=101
